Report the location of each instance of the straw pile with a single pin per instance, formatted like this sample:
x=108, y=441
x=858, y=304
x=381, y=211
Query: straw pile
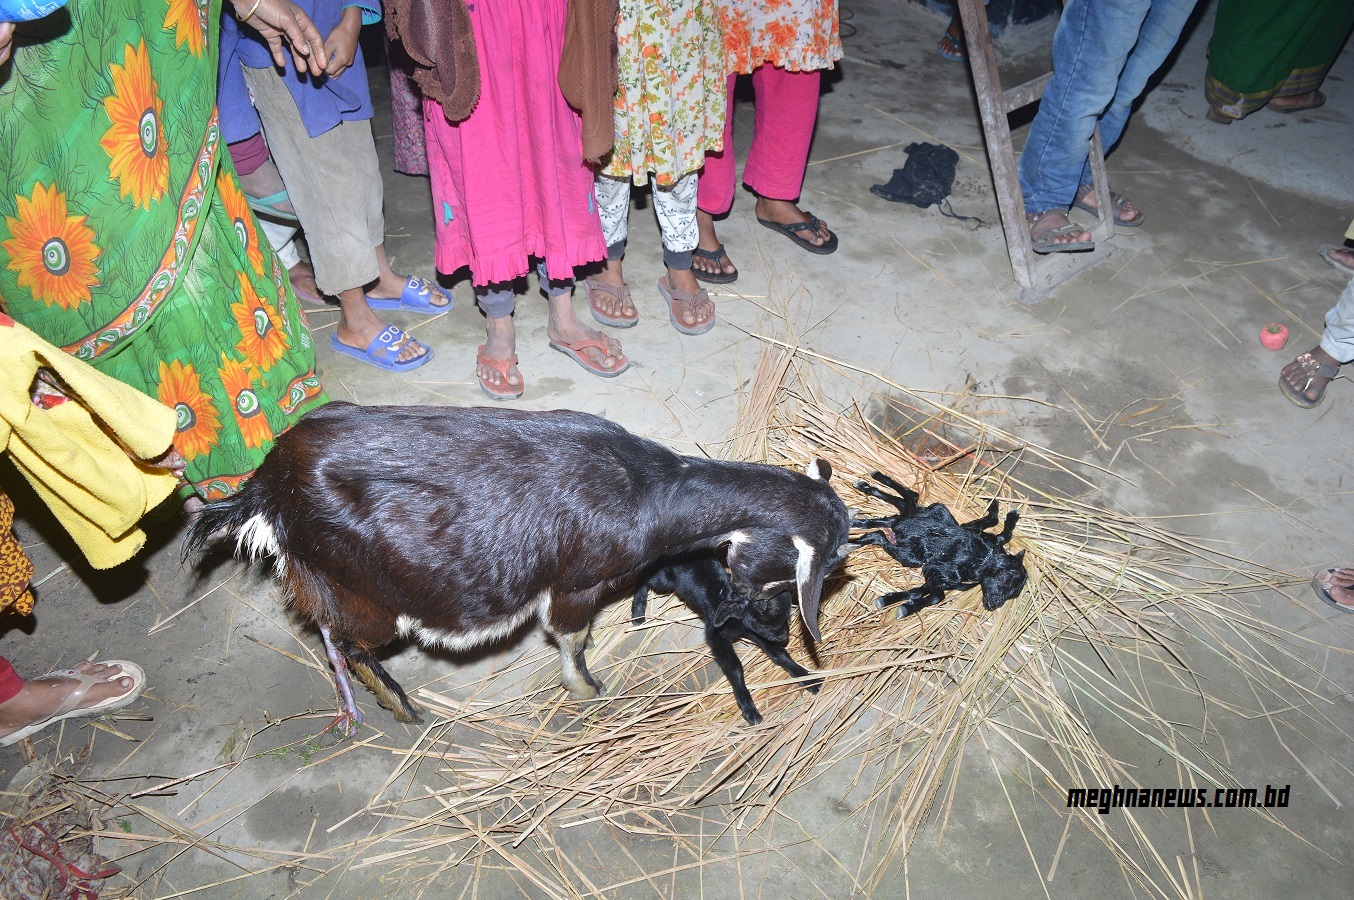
x=512, y=782
x=506, y=773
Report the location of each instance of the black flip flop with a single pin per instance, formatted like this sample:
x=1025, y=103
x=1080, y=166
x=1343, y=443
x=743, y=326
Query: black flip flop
x=714, y=256
x=1117, y=202
x=829, y=246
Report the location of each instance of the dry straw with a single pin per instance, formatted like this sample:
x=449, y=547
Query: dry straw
x=503, y=775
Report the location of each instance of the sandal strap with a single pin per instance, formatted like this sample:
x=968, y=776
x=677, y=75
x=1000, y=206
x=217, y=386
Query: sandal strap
x=716, y=254
x=1312, y=368
x=811, y=225
x=620, y=293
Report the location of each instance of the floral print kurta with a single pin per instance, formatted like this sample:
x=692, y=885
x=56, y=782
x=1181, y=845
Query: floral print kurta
x=125, y=238
x=670, y=98
x=798, y=35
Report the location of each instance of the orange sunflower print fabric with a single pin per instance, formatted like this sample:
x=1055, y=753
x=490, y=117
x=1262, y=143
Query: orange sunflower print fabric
x=125, y=238
x=798, y=35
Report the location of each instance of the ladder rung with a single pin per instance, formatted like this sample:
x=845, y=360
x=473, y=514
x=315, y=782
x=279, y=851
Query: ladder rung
x=1025, y=94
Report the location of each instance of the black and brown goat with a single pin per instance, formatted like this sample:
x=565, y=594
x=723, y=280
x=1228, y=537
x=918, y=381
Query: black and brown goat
x=952, y=557
x=702, y=584
x=457, y=526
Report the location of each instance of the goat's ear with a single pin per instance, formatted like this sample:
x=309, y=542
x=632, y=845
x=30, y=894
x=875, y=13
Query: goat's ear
x=819, y=470
x=809, y=579
x=728, y=609
x=1019, y=557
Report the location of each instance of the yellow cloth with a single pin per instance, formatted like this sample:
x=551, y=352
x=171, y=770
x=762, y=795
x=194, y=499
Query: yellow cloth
x=73, y=453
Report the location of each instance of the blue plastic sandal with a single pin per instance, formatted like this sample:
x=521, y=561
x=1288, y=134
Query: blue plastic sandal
x=417, y=297
x=384, y=350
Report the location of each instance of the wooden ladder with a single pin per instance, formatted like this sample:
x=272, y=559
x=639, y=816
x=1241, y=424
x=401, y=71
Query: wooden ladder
x=1036, y=276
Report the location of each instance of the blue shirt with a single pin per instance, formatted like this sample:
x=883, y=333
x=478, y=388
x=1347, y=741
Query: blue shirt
x=323, y=102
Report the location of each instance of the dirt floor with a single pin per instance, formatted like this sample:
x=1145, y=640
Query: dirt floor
x=1145, y=370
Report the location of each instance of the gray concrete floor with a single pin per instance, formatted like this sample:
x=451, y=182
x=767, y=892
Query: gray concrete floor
x=1166, y=323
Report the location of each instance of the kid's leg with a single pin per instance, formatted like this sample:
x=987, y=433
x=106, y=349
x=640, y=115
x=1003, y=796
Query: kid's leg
x=690, y=306
x=608, y=295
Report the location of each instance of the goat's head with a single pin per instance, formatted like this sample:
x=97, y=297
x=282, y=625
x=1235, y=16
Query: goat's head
x=802, y=539
x=769, y=619
x=1005, y=578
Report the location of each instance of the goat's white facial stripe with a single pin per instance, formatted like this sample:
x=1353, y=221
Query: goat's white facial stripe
x=803, y=566
x=813, y=471
x=804, y=563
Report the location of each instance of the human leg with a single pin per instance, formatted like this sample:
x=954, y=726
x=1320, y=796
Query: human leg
x=1090, y=49
x=496, y=359
x=1157, y=37
x=88, y=688
x=590, y=348
x=1304, y=380
x=787, y=108
x=714, y=197
x=689, y=306
x=608, y=295
x=1336, y=587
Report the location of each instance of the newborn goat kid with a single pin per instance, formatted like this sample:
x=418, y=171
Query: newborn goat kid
x=458, y=526
x=703, y=585
x=952, y=557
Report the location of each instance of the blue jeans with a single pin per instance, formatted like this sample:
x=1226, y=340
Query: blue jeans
x=1103, y=53
x=1338, y=338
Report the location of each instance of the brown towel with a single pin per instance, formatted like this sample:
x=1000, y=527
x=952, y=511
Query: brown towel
x=587, y=71
x=438, y=38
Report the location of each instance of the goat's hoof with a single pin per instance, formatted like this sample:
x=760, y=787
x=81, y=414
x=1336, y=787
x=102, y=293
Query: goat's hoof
x=753, y=717
x=813, y=686
x=585, y=691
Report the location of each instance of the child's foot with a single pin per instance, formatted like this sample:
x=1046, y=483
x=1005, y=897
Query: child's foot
x=785, y=212
x=602, y=354
x=690, y=306
x=391, y=286
x=609, y=296
x=710, y=262
x=302, y=278
x=358, y=327
x=504, y=380
x=40, y=698
x=264, y=186
x=951, y=44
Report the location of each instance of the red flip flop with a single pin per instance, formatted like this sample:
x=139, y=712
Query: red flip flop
x=501, y=366
x=575, y=352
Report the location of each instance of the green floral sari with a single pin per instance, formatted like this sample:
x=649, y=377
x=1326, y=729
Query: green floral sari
x=125, y=238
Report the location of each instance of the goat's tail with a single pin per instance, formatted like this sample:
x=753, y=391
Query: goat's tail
x=229, y=516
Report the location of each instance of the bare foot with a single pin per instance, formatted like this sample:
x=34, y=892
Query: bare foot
x=1308, y=375
x=785, y=212
x=40, y=697
x=500, y=343
x=566, y=328
x=705, y=223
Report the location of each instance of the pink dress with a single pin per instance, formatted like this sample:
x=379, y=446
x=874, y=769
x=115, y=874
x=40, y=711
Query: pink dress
x=509, y=182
